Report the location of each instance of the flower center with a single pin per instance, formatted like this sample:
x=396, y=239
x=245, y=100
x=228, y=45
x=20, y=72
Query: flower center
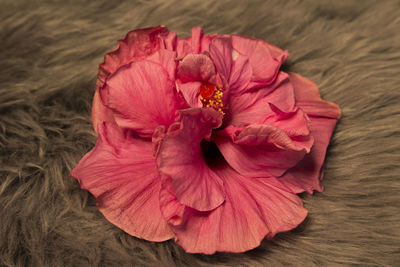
x=212, y=155
x=211, y=96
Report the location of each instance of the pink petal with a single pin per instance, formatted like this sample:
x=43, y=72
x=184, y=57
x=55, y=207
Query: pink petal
x=196, y=43
x=234, y=67
x=309, y=99
x=141, y=96
x=206, y=41
x=196, y=67
x=157, y=139
x=167, y=59
x=295, y=124
x=169, y=41
x=191, y=44
x=240, y=75
x=259, y=150
x=277, y=52
x=197, y=35
x=136, y=45
x=281, y=93
x=101, y=113
x=181, y=158
x=126, y=185
x=191, y=93
x=171, y=208
x=221, y=54
x=306, y=175
x=184, y=47
x=254, y=209
x=263, y=58
x=269, y=148
x=252, y=107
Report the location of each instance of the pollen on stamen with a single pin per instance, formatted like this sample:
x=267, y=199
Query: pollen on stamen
x=211, y=96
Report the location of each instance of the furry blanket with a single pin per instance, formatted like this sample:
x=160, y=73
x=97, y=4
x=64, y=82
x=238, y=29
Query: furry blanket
x=49, y=57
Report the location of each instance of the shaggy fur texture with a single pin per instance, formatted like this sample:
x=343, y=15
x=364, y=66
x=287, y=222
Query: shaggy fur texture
x=49, y=56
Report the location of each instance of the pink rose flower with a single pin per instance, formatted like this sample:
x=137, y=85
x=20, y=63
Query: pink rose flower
x=204, y=140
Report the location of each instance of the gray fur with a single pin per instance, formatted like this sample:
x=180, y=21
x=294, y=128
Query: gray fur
x=49, y=54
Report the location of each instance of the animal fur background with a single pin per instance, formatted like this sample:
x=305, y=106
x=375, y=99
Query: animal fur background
x=49, y=54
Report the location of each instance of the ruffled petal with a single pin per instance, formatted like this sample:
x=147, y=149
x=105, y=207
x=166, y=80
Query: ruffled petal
x=196, y=67
x=269, y=148
x=171, y=208
x=141, y=96
x=181, y=158
x=308, y=173
x=259, y=150
x=126, y=185
x=254, y=209
x=264, y=59
x=101, y=113
x=295, y=124
x=309, y=99
x=252, y=107
x=136, y=45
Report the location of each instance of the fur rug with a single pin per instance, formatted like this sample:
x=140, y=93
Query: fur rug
x=49, y=57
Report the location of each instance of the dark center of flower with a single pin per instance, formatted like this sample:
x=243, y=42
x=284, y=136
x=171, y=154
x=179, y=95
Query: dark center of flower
x=211, y=154
x=211, y=96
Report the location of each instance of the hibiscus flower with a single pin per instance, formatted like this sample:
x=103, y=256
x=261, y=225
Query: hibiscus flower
x=204, y=140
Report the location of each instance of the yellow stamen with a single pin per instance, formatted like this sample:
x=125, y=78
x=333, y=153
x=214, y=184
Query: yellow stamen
x=211, y=96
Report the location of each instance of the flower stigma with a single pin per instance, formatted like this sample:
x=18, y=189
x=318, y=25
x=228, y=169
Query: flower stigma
x=211, y=97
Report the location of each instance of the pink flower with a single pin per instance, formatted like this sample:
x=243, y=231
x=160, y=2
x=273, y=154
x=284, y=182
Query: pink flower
x=204, y=140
